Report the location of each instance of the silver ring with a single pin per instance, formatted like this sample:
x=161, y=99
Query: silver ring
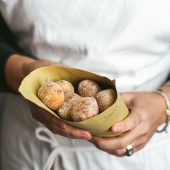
x=129, y=150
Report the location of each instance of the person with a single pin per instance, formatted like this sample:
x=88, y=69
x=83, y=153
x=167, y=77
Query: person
x=126, y=41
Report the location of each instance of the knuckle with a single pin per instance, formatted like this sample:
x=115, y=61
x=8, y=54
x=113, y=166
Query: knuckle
x=55, y=129
x=136, y=120
x=143, y=115
x=100, y=145
x=125, y=126
x=122, y=144
x=145, y=129
x=68, y=134
x=144, y=141
x=72, y=134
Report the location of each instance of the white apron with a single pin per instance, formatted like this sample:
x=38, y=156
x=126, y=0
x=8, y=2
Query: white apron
x=124, y=40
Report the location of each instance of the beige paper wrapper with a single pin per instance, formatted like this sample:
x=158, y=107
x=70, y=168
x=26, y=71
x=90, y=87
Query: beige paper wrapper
x=98, y=125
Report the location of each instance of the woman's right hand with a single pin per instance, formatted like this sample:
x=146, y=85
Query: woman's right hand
x=57, y=125
x=53, y=123
x=14, y=75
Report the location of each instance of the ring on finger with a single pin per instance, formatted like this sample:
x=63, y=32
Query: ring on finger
x=129, y=150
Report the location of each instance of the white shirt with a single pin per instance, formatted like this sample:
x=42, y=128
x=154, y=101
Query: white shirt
x=126, y=40
x=123, y=40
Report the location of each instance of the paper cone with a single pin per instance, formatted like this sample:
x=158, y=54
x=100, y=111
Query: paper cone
x=98, y=125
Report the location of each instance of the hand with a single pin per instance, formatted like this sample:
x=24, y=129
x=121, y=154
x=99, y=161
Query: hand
x=56, y=125
x=53, y=123
x=147, y=112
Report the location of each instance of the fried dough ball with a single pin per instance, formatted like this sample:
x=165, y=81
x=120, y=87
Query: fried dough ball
x=51, y=94
x=84, y=108
x=65, y=85
x=65, y=110
x=106, y=98
x=88, y=88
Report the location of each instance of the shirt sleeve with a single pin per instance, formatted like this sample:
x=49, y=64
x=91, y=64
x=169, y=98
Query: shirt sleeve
x=5, y=52
x=8, y=47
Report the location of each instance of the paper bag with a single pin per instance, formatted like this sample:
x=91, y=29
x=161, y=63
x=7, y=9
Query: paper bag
x=98, y=125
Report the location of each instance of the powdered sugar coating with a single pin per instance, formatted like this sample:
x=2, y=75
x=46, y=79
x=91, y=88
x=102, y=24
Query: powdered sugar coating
x=85, y=108
x=65, y=110
x=88, y=88
x=105, y=98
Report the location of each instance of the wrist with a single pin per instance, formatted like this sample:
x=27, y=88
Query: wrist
x=161, y=106
x=167, y=110
x=166, y=90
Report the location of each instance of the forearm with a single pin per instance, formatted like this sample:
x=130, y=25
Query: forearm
x=15, y=70
x=18, y=66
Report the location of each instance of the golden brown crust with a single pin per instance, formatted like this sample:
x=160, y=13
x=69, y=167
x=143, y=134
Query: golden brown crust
x=51, y=94
x=65, y=86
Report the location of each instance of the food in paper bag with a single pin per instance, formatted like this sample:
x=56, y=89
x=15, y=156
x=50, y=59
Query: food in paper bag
x=99, y=124
x=51, y=94
x=105, y=98
x=75, y=107
x=88, y=88
x=85, y=108
x=65, y=110
x=65, y=86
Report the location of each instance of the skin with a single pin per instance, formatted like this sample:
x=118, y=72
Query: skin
x=16, y=72
x=147, y=112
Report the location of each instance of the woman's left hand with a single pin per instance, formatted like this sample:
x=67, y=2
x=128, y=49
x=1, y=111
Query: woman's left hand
x=147, y=112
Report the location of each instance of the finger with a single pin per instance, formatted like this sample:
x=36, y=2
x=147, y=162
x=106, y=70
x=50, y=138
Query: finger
x=58, y=126
x=57, y=122
x=117, y=145
x=120, y=142
x=44, y=117
x=122, y=152
x=48, y=119
x=107, y=145
x=129, y=123
x=119, y=152
x=72, y=132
